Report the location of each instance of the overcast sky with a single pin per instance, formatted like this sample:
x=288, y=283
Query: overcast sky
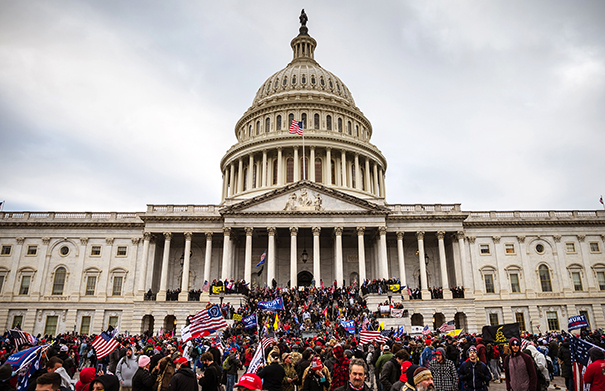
x=112, y=105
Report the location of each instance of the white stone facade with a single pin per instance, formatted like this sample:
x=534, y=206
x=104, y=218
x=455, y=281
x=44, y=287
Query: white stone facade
x=80, y=271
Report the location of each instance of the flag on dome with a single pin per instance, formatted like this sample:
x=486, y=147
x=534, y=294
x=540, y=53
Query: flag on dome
x=296, y=127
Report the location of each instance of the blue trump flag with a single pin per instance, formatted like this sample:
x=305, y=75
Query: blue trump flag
x=262, y=259
x=577, y=322
x=273, y=305
x=250, y=321
x=27, y=362
x=348, y=325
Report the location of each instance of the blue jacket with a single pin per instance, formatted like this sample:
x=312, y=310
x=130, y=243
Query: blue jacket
x=475, y=376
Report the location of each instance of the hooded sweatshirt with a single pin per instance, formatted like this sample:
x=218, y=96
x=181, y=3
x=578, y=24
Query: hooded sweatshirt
x=183, y=380
x=110, y=382
x=519, y=370
x=86, y=376
x=125, y=370
x=595, y=372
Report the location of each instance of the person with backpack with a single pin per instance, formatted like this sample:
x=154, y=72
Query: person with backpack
x=540, y=364
x=230, y=366
x=126, y=367
x=519, y=369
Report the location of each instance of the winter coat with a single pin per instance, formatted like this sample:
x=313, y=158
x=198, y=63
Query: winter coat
x=125, y=370
x=163, y=375
x=143, y=380
x=212, y=378
x=340, y=374
x=183, y=380
x=475, y=376
x=272, y=375
x=391, y=372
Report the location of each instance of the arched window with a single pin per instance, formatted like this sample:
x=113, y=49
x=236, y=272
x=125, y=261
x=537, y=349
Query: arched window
x=304, y=174
x=245, y=178
x=340, y=125
x=349, y=127
x=285, y=80
x=274, y=172
x=357, y=130
x=257, y=128
x=329, y=122
x=278, y=127
x=303, y=118
x=545, y=278
x=290, y=119
x=250, y=131
x=318, y=171
x=333, y=171
x=267, y=125
x=59, y=281
x=290, y=170
x=316, y=121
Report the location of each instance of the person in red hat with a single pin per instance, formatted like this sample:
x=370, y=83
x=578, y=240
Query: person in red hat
x=184, y=379
x=249, y=382
x=316, y=379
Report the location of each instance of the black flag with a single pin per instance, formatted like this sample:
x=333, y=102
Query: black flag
x=260, y=271
x=500, y=333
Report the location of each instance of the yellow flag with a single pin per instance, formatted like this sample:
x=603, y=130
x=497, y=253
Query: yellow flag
x=454, y=333
x=381, y=326
x=276, y=323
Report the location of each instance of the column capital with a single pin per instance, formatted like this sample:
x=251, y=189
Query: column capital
x=581, y=238
x=279, y=149
x=147, y=235
x=293, y=231
x=440, y=235
x=316, y=231
x=312, y=148
x=400, y=235
x=460, y=235
x=20, y=240
x=188, y=235
x=382, y=230
x=328, y=149
x=471, y=239
x=496, y=239
x=521, y=238
x=135, y=241
x=227, y=231
x=168, y=236
x=249, y=231
x=83, y=241
x=360, y=231
x=338, y=231
x=109, y=241
x=557, y=238
x=356, y=154
x=271, y=231
x=208, y=235
x=420, y=235
x=45, y=240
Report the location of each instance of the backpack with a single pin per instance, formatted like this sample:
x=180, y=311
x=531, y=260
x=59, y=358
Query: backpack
x=495, y=353
x=226, y=365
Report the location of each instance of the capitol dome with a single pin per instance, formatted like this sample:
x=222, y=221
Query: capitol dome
x=337, y=150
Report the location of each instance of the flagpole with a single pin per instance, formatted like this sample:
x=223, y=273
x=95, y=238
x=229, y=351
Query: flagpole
x=304, y=157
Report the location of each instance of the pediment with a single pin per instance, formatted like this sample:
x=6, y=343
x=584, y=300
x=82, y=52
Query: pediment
x=305, y=197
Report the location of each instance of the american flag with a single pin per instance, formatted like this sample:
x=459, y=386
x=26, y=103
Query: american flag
x=447, y=326
x=21, y=337
x=207, y=320
x=296, y=127
x=267, y=341
x=206, y=286
x=580, y=359
x=104, y=345
x=426, y=330
x=367, y=336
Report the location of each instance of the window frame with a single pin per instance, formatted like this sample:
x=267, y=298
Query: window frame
x=578, y=286
x=47, y=324
x=554, y=319
x=89, y=318
x=512, y=289
x=571, y=250
x=125, y=254
x=481, y=248
x=522, y=327
x=113, y=285
x=598, y=247
x=6, y=250
x=92, y=249
x=29, y=248
x=509, y=246
x=491, y=316
x=94, y=285
x=489, y=277
x=543, y=281
x=19, y=323
x=60, y=271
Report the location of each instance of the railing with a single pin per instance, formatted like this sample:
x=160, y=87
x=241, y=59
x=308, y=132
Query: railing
x=64, y=216
x=182, y=209
x=424, y=208
x=541, y=214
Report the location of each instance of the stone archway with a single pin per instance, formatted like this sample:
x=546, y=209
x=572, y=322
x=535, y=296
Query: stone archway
x=460, y=320
x=147, y=324
x=304, y=278
x=417, y=320
x=169, y=323
x=438, y=320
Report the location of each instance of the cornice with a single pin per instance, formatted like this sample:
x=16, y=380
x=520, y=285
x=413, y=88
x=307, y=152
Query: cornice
x=534, y=223
x=179, y=217
x=69, y=224
x=435, y=216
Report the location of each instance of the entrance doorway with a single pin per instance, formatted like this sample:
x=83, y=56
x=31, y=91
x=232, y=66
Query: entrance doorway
x=304, y=278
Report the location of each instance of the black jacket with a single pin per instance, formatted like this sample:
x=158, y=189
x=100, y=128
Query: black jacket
x=183, y=380
x=347, y=387
x=212, y=378
x=391, y=372
x=272, y=375
x=143, y=380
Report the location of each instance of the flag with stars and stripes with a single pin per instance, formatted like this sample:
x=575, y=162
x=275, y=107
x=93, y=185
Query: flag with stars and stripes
x=296, y=127
x=368, y=336
x=104, y=344
x=447, y=326
x=208, y=319
x=580, y=359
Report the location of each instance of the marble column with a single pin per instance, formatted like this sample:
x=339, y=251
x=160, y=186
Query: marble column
x=225, y=270
x=264, y=170
x=250, y=172
x=423, y=278
x=225, y=184
x=311, y=167
x=361, y=251
x=328, y=166
x=208, y=257
x=184, y=295
x=248, y=255
x=296, y=165
x=366, y=177
x=271, y=231
x=339, y=265
x=232, y=180
x=588, y=273
x=316, y=255
x=383, y=192
x=560, y=263
x=465, y=266
x=401, y=257
x=502, y=283
x=445, y=283
x=376, y=190
x=161, y=296
x=383, y=265
x=240, y=175
x=528, y=273
x=358, y=185
x=343, y=168
x=280, y=169
x=293, y=256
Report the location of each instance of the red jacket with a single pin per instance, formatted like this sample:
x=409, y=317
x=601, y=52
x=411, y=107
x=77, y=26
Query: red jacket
x=595, y=375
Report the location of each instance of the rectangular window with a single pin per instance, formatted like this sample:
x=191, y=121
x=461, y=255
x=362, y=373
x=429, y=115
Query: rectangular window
x=51, y=325
x=6, y=250
x=32, y=250
x=117, y=286
x=570, y=247
x=85, y=325
x=553, y=320
x=484, y=248
x=113, y=321
x=493, y=319
x=594, y=247
x=509, y=248
x=520, y=318
x=17, y=321
x=25, y=281
x=91, y=282
x=489, y=284
x=577, y=281
x=95, y=251
x=122, y=250
x=601, y=280
x=514, y=283
x=585, y=313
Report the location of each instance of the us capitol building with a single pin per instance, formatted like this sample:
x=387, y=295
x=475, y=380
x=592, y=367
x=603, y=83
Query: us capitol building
x=321, y=214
